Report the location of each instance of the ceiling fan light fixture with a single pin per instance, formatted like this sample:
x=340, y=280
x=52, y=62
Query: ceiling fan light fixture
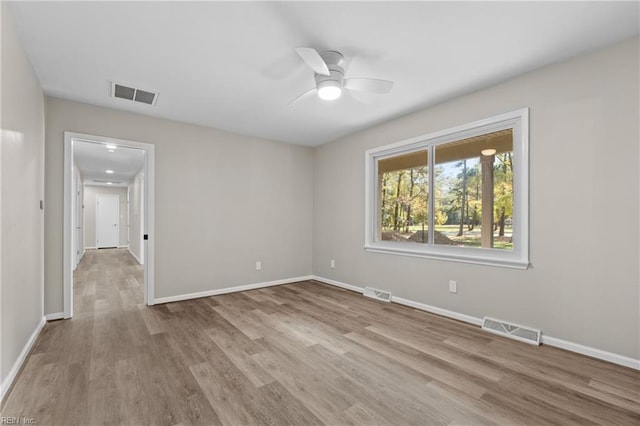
x=329, y=90
x=328, y=68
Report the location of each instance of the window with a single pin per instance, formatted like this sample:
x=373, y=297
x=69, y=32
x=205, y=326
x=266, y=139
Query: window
x=460, y=194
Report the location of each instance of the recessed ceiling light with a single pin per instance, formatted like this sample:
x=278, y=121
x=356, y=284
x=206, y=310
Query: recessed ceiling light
x=111, y=146
x=109, y=183
x=109, y=171
x=488, y=152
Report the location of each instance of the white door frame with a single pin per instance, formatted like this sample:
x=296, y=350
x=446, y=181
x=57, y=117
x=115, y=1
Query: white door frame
x=78, y=220
x=148, y=202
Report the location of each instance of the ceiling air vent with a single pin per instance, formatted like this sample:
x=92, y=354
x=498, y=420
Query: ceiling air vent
x=133, y=94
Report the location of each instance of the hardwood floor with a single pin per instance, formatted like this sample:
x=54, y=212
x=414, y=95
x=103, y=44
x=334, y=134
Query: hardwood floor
x=298, y=354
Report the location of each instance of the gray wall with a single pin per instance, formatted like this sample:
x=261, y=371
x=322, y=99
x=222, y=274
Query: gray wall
x=90, y=194
x=222, y=201
x=584, y=285
x=22, y=169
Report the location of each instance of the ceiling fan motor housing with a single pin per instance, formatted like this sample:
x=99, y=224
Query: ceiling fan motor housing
x=335, y=63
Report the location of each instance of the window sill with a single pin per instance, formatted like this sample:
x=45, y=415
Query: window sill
x=489, y=257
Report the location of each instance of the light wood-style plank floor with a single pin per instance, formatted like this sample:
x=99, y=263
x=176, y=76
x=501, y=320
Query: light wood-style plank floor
x=298, y=354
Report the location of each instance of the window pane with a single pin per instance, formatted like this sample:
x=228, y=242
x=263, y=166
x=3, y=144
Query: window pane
x=463, y=197
x=474, y=191
x=403, y=187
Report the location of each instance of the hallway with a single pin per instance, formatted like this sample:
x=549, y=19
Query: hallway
x=70, y=376
x=107, y=280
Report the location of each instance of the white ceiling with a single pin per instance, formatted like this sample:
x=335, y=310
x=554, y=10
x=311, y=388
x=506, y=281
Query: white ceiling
x=232, y=65
x=94, y=159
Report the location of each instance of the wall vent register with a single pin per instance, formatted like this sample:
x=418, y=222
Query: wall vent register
x=513, y=331
x=374, y=293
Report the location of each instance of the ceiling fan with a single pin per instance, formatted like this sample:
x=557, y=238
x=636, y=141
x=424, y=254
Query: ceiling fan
x=329, y=76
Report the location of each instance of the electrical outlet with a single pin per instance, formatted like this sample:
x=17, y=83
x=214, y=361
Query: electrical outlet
x=258, y=265
x=453, y=287
x=333, y=263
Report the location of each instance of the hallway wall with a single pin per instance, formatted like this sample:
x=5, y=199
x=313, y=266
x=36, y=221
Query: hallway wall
x=136, y=217
x=22, y=188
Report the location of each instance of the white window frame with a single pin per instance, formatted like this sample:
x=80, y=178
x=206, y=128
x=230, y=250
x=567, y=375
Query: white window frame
x=517, y=258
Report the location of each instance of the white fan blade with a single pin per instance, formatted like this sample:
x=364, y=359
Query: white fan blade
x=372, y=85
x=303, y=96
x=313, y=59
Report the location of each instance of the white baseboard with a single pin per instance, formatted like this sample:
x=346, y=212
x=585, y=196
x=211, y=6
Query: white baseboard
x=135, y=257
x=8, y=381
x=546, y=340
x=438, y=311
x=54, y=316
x=127, y=246
x=90, y=248
x=592, y=352
x=407, y=302
x=216, y=292
x=339, y=284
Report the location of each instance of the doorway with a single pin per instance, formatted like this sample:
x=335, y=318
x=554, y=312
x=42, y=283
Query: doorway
x=107, y=221
x=109, y=228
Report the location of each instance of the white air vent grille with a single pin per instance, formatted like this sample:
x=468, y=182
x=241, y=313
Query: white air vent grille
x=132, y=94
x=513, y=331
x=385, y=296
